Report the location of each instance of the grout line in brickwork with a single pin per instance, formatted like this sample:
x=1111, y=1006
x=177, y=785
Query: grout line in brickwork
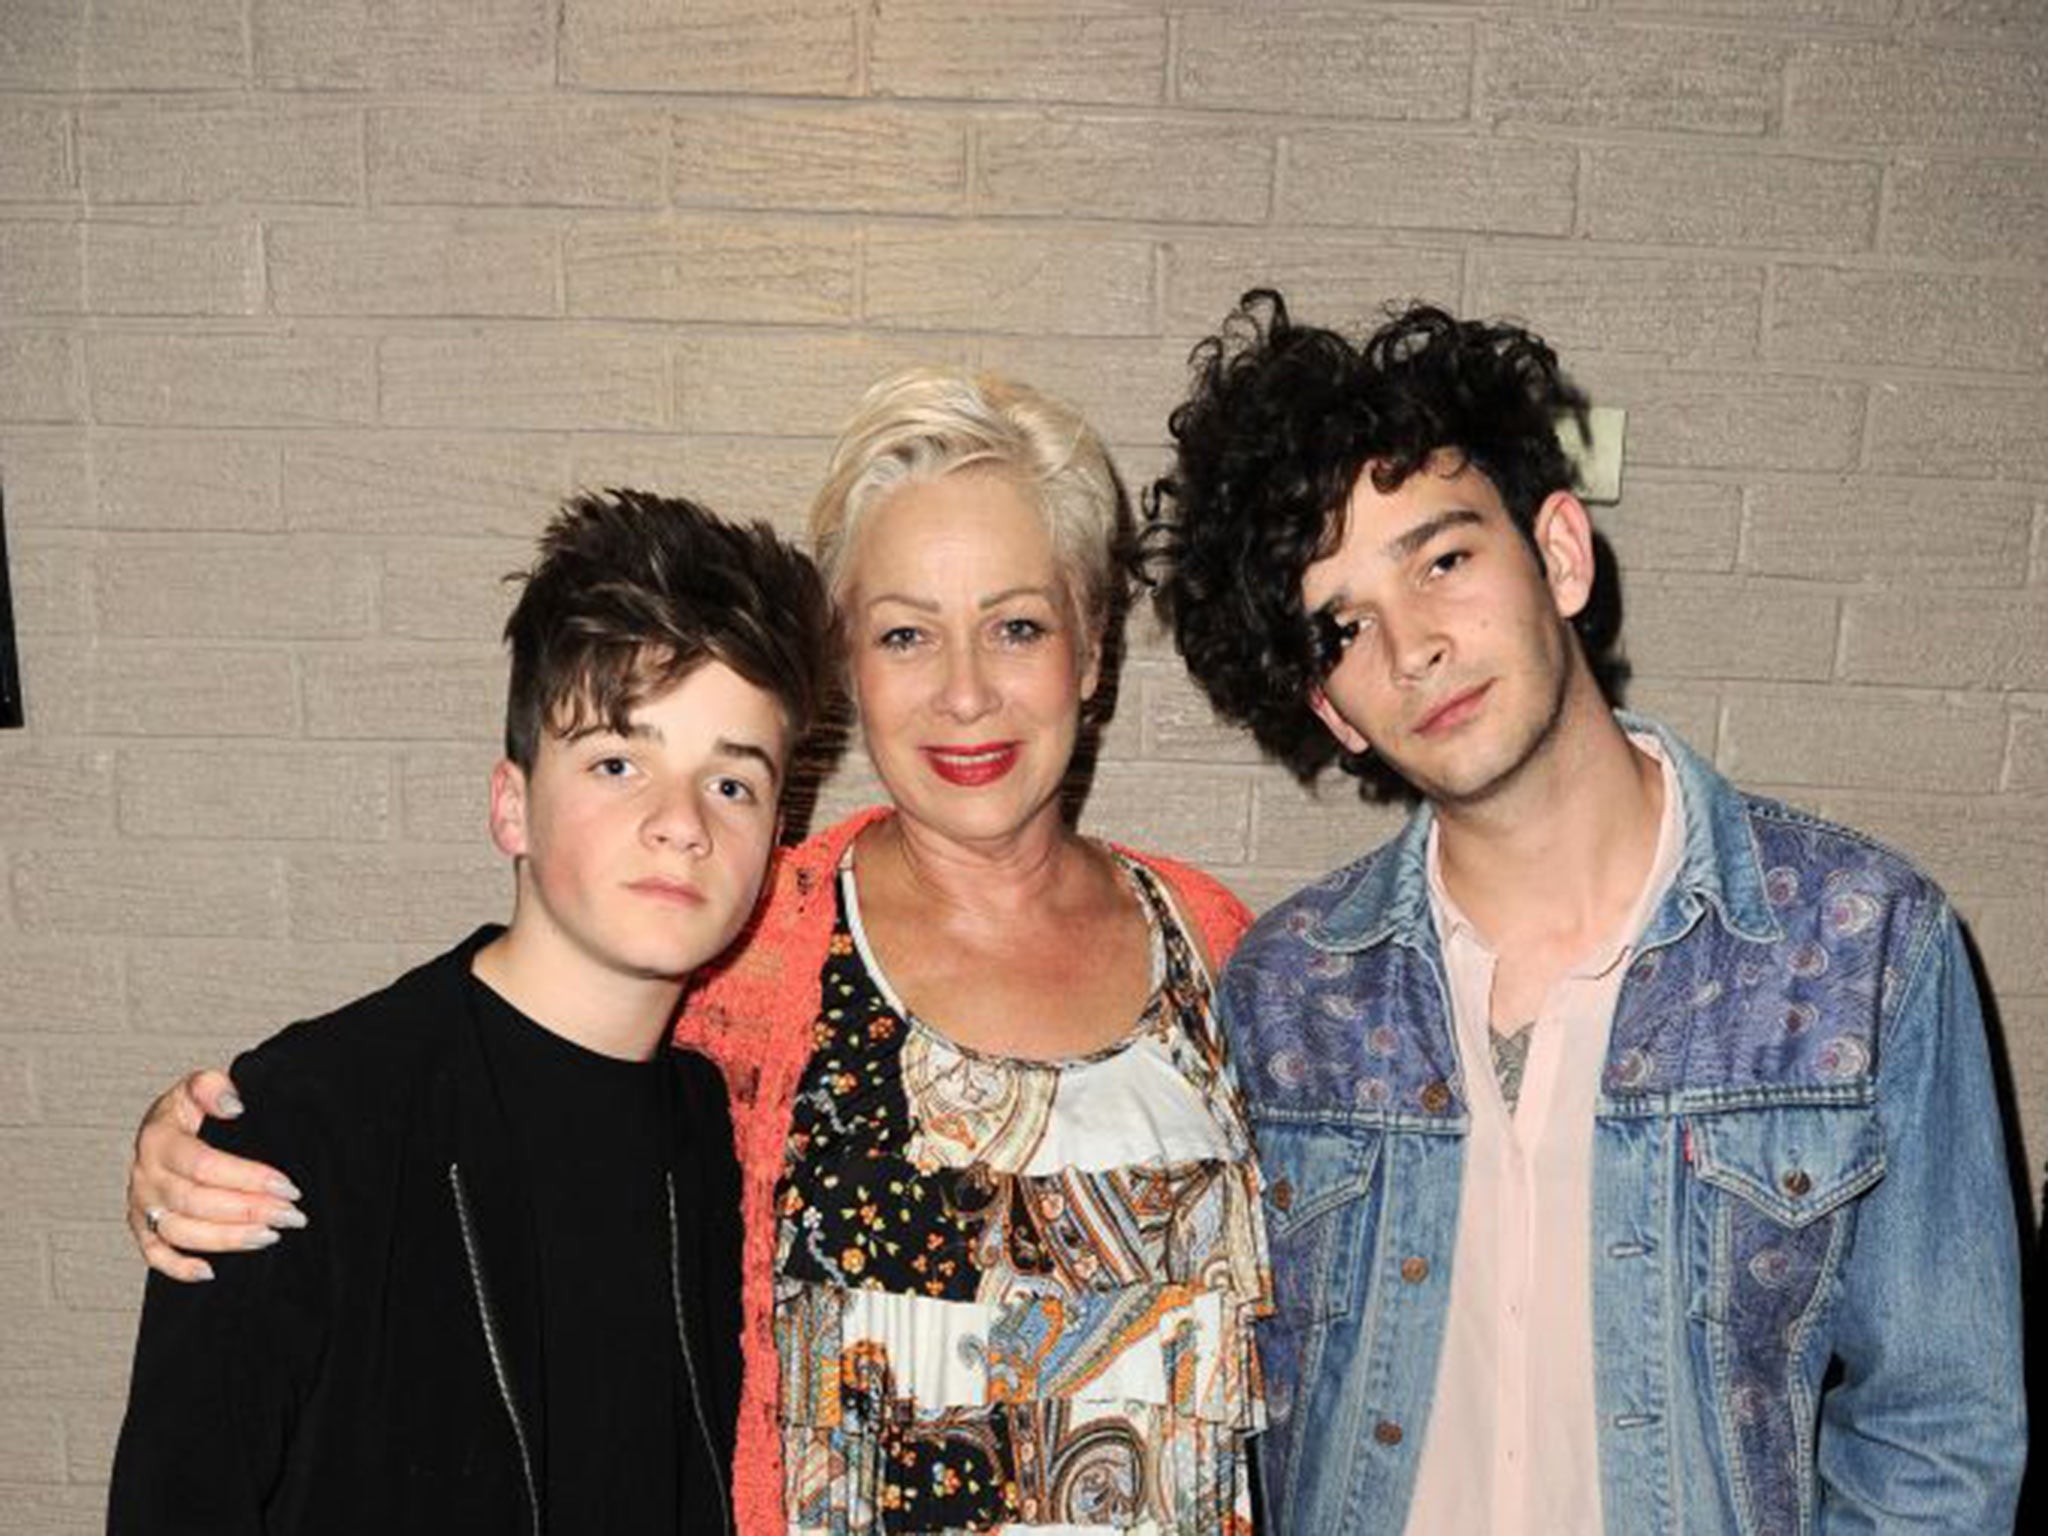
x=266, y=300
x=1767, y=310
x=1582, y=177
x=74, y=168
x=1169, y=86
x=1745, y=517
x=1838, y=662
x=970, y=168
x=864, y=48
x=860, y=275
x=1860, y=461
x=1881, y=214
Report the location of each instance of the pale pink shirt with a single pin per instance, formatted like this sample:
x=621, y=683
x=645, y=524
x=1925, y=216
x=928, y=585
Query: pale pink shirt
x=1512, y=1446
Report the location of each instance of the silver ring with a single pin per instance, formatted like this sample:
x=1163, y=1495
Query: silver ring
x=153, y=1218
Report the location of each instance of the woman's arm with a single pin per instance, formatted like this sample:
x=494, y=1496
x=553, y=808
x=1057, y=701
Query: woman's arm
x=203, y=1200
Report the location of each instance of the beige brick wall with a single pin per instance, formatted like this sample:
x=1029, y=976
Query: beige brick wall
x=310, y=308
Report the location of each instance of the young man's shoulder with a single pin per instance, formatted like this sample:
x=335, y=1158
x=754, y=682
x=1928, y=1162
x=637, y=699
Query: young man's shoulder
x=1292, y=923
x=350, y=1066
x=1791, y=842
x=1803, y=859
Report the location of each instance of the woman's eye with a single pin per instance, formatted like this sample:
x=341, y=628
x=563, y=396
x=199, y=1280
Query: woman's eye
x=901, y=638
x=1020, y=631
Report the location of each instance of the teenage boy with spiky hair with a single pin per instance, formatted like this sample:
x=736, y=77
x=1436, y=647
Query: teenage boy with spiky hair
x=519, y=1308
x=1632, y=1159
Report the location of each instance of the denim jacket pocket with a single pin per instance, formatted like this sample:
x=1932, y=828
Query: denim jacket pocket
x=1774, y=1182
x=1318, y=1183
x=1774, y=1201
x=1317, y=1178
x=1794, y=1163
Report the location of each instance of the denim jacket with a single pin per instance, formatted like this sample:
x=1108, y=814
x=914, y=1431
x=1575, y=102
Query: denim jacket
x=1805, y=1267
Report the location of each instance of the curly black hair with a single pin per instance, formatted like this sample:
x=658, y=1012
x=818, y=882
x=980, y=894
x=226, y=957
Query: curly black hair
x=1280, y=422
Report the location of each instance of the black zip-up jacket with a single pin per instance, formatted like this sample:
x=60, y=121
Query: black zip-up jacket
x=380, y=1371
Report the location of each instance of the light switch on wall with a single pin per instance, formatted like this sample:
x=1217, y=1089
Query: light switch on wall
x=1599, y=463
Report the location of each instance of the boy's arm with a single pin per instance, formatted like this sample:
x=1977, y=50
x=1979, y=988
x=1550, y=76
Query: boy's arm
x=1926, y=1430
x=222, y=1369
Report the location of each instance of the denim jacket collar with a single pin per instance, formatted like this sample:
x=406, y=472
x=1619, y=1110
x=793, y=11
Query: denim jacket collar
x=1720, y=868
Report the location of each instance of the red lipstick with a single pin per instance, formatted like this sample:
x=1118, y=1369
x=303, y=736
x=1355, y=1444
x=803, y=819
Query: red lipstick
x=971, y=767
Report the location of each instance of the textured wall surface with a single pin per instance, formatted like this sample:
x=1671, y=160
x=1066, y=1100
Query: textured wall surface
x=310, y=309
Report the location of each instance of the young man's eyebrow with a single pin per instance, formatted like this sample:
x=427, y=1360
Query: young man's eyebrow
x=752, y=751
x=1402, y=545
x=598, y=726
x=724, y=746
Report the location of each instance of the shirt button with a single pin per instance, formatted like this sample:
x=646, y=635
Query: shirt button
x=1283, y=1195
x=1436, y=1097
x=1415, y=1269
x=1387, y=1432
x=1796, y=1183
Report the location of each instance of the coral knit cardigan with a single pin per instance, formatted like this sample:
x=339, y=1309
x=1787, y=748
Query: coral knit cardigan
x=752, y=1012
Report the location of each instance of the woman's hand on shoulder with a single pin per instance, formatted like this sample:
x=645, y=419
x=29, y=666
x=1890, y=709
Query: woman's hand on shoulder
x=185, y=1197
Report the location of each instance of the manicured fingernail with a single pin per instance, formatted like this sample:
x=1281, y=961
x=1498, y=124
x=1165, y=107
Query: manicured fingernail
x=204, y=1272
x=262, y=1239
x=230, y=1104
x=291, y=1216
x=282, y=1187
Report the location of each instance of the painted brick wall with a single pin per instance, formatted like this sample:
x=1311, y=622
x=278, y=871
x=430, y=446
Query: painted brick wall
x=309, y=309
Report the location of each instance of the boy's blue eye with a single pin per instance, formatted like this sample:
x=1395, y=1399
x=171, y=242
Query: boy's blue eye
x=737, y=790
x=612, y=767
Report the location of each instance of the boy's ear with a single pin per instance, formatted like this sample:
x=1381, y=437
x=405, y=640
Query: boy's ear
x=508, y=808
x=1349, y=736
x=1564, y=535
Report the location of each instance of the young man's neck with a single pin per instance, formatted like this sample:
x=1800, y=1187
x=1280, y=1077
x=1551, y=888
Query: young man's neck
x=1566, y=845
x=567, y=994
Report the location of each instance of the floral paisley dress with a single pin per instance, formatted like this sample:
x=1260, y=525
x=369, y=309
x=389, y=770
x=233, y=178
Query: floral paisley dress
x=1015, y=1294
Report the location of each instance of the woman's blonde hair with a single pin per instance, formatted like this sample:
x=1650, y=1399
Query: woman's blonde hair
x=927, y=423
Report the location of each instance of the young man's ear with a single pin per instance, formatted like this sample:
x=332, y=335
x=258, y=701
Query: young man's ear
x=508, y=808
x=1564, y=538
x=1349, y=736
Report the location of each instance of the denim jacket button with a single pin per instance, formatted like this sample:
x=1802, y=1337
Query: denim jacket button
x=1387, y=1432
x=1283, y=1194
x=1796, y=1183
x=1436, y=1097
x=1415, y=1269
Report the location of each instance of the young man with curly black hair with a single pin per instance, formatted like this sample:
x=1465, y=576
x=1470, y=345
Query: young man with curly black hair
x=518, y=1309
x=1632, y=1158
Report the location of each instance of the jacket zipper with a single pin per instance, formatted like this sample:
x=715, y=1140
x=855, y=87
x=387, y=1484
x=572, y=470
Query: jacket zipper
x=675, y=1290
x=491, y=1343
